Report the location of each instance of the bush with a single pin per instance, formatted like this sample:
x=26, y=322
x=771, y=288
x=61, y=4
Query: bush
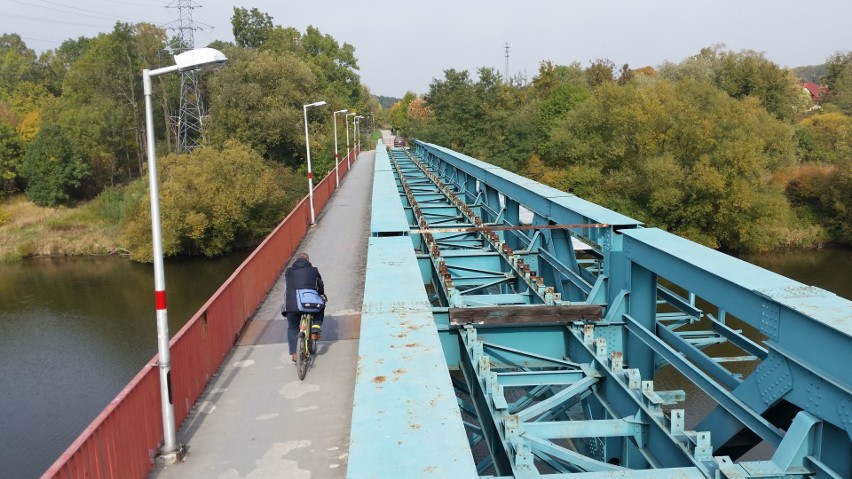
x=110, y=205
x=211, y=202
x=825, y=137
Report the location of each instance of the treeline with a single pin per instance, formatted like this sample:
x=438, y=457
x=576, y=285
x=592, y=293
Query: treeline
x=725, y=148
x=72, y=128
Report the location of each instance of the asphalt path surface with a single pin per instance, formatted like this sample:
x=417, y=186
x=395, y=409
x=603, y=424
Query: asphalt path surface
x=256, y=419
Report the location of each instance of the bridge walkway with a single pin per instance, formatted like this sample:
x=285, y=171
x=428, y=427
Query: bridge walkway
x=256, y=419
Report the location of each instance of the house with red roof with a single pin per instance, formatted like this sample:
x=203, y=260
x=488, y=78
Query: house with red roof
x=815, y=91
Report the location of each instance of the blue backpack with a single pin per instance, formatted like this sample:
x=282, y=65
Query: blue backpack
x=309, y=300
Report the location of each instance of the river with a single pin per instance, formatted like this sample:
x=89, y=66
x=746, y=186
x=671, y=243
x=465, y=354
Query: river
x=74, y=332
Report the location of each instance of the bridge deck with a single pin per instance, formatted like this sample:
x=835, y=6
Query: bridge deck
x=256, y=419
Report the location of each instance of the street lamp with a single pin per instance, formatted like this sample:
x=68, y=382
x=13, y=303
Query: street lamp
x=336, y=157
x=357, y=128
x=348, y=150
x=308, y=146
x=198, y=59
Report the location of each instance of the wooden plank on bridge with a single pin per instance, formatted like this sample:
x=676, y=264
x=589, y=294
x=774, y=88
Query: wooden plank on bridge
x=525, y=314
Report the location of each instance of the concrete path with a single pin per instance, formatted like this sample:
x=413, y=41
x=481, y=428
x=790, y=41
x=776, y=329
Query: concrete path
x=256, y=419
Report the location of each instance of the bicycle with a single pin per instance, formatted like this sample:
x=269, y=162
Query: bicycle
x=305, y=345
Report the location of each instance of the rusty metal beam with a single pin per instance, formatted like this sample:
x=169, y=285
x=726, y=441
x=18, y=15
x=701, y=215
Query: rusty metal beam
x=525, y=314
x=472, y=229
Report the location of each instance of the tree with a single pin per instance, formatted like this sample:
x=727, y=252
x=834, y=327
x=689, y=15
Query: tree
x=10, y=158
x=398, y=115
x=102, y=106
x=450, y=99
x=56, y=63
x=838, y=79
x=17, y=63
x=251, y=28
x=213, y=201
x=835, y=67
x=53, y=168
x=600, y=71
x=685, y=156
x=257, y=99
x=749, y=73
x=744, y=74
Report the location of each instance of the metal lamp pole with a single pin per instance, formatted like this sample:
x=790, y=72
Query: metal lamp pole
x=336, y=157
x=348, y=145
x=308, y=147
x=201, y=58
x=358, y=135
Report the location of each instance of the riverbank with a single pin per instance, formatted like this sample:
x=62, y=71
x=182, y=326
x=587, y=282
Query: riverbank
x=28, y=230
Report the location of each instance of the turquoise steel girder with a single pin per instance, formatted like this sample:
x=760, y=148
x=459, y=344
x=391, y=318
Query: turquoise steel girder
x=641, y=332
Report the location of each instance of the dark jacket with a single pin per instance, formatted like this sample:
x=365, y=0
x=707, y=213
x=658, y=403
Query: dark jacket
x=301, y=275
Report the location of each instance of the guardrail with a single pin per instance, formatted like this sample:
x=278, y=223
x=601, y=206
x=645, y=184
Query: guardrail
x=123, y=440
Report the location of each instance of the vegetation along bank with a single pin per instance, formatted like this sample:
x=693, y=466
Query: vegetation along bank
x=725, y=148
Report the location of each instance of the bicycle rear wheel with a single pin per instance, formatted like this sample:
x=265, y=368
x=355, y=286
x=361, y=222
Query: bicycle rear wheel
x=302, y=357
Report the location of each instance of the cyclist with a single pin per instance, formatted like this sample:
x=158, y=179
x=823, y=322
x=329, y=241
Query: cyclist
x=301, y=275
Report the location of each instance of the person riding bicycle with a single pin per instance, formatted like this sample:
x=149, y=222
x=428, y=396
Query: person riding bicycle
x=301, y=275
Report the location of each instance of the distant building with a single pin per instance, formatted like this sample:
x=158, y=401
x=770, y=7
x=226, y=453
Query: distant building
x=815, y=91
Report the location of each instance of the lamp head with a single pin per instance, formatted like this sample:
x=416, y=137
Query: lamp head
x=200, y=59
x=316, y=103
x=341, y=111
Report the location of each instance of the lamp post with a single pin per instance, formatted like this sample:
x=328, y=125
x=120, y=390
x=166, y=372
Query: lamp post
x=348, y=150
x=358, y=135
x=336, y=157
x=308, y=147
x=197, y=59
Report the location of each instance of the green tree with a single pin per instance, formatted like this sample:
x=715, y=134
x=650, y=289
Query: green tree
x=600, y=71
x=257, y=99
x=684, y=156
x=251, y=28
x=213, y=201
x=744, y=74
x=835, y=68
x=56, y=63
x=17, y=63
x=451, y=100
x=749, y=73
x=53, y=168
x=838, y=79
x=102, y=105
x=398, y=114
x=10, y=158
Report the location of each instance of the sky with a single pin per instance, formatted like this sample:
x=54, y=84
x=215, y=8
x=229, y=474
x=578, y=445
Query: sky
x=405, y=45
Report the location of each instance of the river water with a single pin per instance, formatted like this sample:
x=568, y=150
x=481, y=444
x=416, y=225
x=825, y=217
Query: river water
x=74, y=332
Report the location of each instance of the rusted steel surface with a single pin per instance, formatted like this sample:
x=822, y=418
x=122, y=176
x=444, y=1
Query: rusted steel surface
x=523, y=314
x=124, y=439
x=475, y=229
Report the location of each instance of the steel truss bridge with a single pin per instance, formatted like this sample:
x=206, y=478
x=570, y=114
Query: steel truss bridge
x=516, y=330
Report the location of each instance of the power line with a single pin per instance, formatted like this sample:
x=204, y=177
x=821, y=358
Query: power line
x=42, y=20
x=97, y=15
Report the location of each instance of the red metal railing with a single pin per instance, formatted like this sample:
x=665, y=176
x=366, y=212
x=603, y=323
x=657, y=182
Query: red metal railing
x=123, y=440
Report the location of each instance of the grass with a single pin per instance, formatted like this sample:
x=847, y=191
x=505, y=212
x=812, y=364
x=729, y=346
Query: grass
x=31, y=230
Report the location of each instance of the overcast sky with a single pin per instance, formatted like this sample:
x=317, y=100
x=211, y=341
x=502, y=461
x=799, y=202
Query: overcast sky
x=403, y=45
